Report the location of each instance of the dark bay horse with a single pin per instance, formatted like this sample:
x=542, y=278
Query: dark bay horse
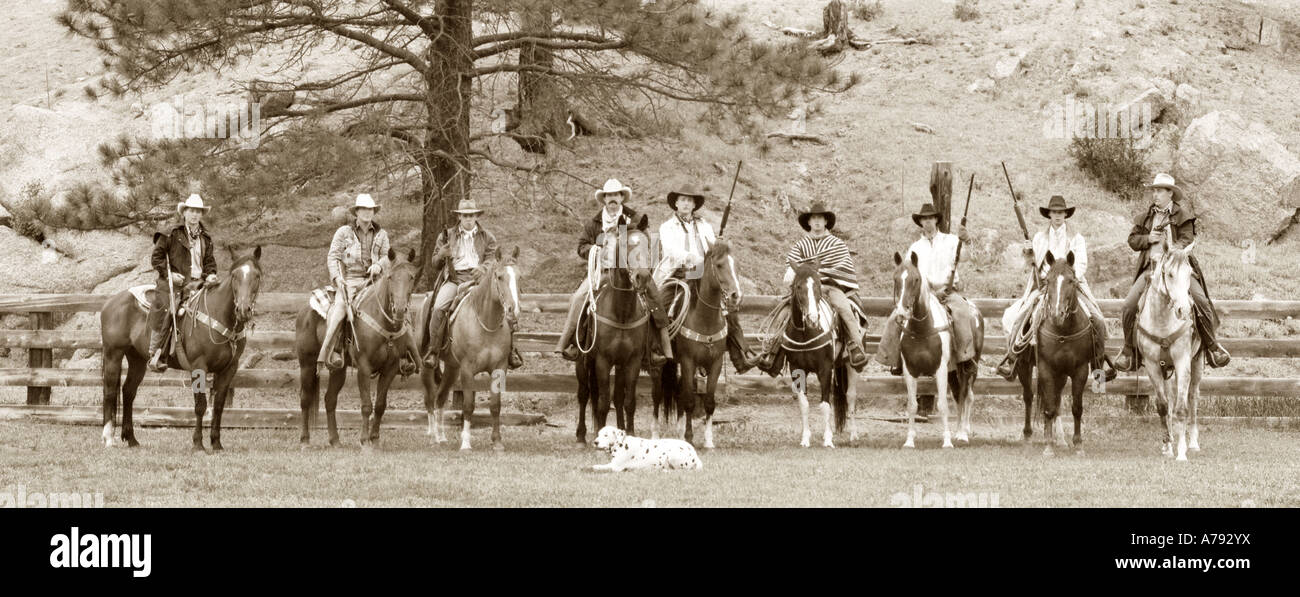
x=480, y=337
x=927, y=350
x=376, y=349
x=701, y=343
x=211, y=338
x=811, y=348
x=1064, y=350
x=620, y=331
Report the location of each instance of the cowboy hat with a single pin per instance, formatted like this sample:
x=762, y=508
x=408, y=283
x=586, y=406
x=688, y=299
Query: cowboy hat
x=468, y=207
x=1056, y=203
x=687, y=191
x=613, y=187
x=818, y=209
x=364, y=200
x=1165, y=181
x=927, y=211
x=193, y=202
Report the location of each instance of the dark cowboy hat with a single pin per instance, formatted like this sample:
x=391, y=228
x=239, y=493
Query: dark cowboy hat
x=686, y=191
x=927, y=211
x=818, y=209
x=1055, y=203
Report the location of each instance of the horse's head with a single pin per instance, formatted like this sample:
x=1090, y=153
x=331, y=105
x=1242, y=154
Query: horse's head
x=637, y=258
x=246, y=278
x=505, y=284
x=907, y=286
x=401, y=281
x=806, y=291
x=1062, y=288
x=720, y=271
x=1172, y=278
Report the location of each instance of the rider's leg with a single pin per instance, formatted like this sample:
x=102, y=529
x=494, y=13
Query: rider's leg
x=571, y=323
x=438, y=321
x=1100, y=359
x=770, y=347
x=1128, y=320
x=840, y=303
x=887, y=352
x=1207, y=324
x=158, y=325
x=1007, y=368
x=333, y=325
x=659, y=321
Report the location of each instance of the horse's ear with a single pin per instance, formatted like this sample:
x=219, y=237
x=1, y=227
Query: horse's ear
x=1069, y=258
x=644, y=224
x=915, y=260
x=898, y=259
x=1051, y=259
x=410, y=255
x=1188, y=248
x=514, y=255
x=230, y=252
x=257, y=253
x=392, y=255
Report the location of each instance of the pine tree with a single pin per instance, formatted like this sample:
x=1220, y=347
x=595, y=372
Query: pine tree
x=407, y=95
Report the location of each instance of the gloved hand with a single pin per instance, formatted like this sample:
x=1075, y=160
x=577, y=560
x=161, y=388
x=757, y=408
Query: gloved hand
x=962, y=235
x=177, y=278
x=212, y=279
x=374, y=270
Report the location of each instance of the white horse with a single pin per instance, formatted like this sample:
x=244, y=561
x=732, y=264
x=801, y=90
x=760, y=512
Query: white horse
x=1169, y=342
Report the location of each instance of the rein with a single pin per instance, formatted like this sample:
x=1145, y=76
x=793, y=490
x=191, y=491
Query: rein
x=388, y=335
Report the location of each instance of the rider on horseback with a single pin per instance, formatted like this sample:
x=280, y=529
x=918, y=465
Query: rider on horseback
x=612, y=215
x=462, y=254
x=358, y=253
x=838, y=278
x=189, y=249
x=684, y=239
x=936, y=254
x=1168, y=213
x=1059, y=241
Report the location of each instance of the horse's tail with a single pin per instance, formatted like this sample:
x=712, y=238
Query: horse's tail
x=840, y=391
x=668, y=384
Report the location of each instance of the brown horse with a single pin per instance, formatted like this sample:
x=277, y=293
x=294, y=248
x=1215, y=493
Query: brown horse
x=811, y=348
x=927, y=348
x=620, y=331
x=701, y=343
x=376, y=351
x=479, y=342
x=1064, y=350
x=211, y=337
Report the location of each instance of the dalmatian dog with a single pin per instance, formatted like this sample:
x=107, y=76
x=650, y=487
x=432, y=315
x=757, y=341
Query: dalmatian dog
x=634, y=453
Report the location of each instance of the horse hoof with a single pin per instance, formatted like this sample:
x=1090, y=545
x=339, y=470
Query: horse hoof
x=131, y=443
x=1048, y=452
x=336, y=443
x=217, y=448
x=197, y=449
x=909, y=444
x=804, y=444
x=708, y=446
x=1194, y=448
x=947, y=444
x=1181, y=458
x=828, y=445
x=962, y=437
x=367, y=448
x=498, y=447
x=464, y=448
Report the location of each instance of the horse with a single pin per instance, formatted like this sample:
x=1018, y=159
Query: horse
x=1064, y=349
x=377, y=349
x=1171, y=347
x=700, y=343
x=223, y=310
x=811, y=348
x=620, y=330
x=927, y=349
x=479, y=342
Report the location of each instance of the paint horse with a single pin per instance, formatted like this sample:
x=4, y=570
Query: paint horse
x=927, y=349
x=479, y=339
x=619, y=332
x=211, y=336
x=811, y=347
x=700, y=343
x=1171, y=348
x=376, y=350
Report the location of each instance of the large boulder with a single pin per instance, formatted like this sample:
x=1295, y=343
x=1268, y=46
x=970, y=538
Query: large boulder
x=1243, y=181
x=1110, y=262
x=57, y=148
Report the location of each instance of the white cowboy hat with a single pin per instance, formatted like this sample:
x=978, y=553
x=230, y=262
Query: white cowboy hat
x=467, y=206
x=193, y=202
x=364, y=200
x=1165, y=181
x=612, y=187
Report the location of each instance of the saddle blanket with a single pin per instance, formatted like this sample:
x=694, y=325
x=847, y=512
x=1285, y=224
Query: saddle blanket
x=144, y=297
x=321, y=298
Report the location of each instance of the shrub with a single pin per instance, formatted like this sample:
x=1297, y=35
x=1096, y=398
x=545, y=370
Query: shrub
x=966, y=10
x=867, y=11
x=1116, y=164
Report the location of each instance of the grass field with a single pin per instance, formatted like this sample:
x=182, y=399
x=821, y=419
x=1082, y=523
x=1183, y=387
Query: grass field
x=757, y=464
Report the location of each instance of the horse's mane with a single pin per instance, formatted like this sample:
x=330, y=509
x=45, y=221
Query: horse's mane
x=719, y=250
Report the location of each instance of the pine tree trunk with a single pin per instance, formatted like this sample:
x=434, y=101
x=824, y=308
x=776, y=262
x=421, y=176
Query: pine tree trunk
x=542, y=108
x=444, y=162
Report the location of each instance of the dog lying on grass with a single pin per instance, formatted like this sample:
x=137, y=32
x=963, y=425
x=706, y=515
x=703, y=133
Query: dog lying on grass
x=633, y=453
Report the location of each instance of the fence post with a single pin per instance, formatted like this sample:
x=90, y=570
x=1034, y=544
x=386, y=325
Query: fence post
x=40, y=358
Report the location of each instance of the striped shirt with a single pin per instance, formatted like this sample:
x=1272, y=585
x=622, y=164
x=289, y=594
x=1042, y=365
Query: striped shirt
x=837, y=268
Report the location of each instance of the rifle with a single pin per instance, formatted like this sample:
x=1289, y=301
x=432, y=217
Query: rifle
x=953, y=274
x=726, y=212
x=1020, y=218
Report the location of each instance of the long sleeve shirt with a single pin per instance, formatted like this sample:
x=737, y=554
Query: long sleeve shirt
x=1061, y=242
x=682, y=244
x=936, y=258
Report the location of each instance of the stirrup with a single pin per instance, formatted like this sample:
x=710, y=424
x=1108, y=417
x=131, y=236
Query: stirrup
x=1007, y=368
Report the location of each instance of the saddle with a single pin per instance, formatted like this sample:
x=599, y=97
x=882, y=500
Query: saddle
x=462, y=293
x=144, y=295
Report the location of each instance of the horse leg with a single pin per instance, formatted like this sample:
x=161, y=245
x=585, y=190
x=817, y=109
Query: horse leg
x=631, y=373
x=381, y=401
x=494, y=407
x=363, y=390
x=910, y=383
x=1050, y=396
x=686, y=397
x=1182, y=377
x=220, y=393
x=1078, y=381
x=971, y=374
x=956, y=380
x=600, y=410
x=801, y=393
x=466, y=416
x=449, y=375
x=941, y=396
x=710, y=401
x=1194, y=395
x=200, y=407
x=656, y=400
x=851, y=393
x=136, y=368
x=1162, y=405
x=618, y=397
x=112, y=373
x=337, y=379
x=308, y=398
x=584, y=394
x=1025, y=374
x=828, y=387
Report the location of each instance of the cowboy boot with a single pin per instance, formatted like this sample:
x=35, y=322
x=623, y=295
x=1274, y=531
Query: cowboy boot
x=1215, y=354
x=437, y=321
x=741, y=356
x=1007, y=368
x=515, y=360
x=1100, y=360
x=329, y=356
x=1127, y=360
x=857, y=355
x=156, y=362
